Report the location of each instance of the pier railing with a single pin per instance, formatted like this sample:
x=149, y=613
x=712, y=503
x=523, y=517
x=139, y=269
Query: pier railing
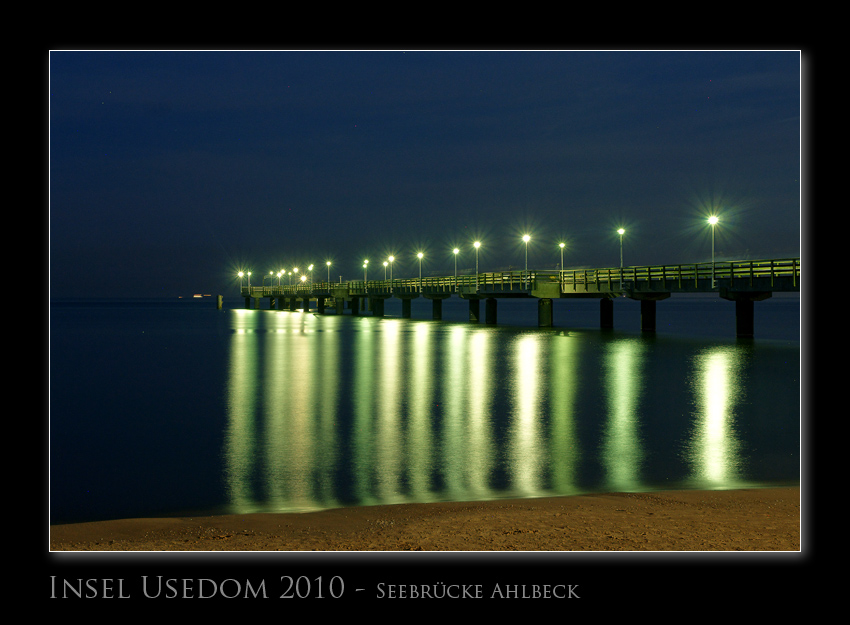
x=686, y=276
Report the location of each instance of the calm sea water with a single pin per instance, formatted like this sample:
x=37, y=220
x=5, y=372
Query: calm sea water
x=174, y=407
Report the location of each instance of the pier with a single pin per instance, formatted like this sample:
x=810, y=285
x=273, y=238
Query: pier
x=740, y=282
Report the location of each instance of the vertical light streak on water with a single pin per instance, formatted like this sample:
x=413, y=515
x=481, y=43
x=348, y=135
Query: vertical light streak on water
x=526, y=453
x=479, y=432
x=389, y=441
x=327, y=389
x=418, y=401
x=240, y=435
x=622, y=453
x=278, y=387
x=363, y=439
x=452, y=399
x=302, y=401
x=565, y=451
x=714, y=449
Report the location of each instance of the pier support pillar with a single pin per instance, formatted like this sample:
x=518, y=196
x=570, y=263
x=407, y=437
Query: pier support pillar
x=744, y=318
x=744, y=309
x=220, y=300
x=474, y=310
x=490, y=310
x=377, y=305
x=437, y=309
x=248, y=303
x=606, y=313
x=292, y=304
x=544, y=312
x=305, y=302
x=405, y=308
x=339, y=303
x=272, y=303
x=647, y=315
x=354, y=305
x=320, y=305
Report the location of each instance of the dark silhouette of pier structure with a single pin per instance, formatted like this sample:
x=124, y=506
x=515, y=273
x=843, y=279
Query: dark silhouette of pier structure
x=742, y=282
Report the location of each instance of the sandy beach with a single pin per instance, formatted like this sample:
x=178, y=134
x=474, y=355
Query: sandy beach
x=726, y=520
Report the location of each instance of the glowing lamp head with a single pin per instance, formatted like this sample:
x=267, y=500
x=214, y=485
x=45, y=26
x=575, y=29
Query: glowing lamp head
x=621, y=232
x=328, y=263
x=392, y=258
x=240, y=274
x=562, y=245
x=712, y=220
x=455, y=251
x=303, y=278
x=420, y=255
x=526, y=238
x=477, y=244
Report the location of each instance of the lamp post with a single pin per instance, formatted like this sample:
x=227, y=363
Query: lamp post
x=391, y=259
x=713, y=221
x=455, y=251
x=311, y=275
x=249, y=282
x=328, y=263
x=385, y=270
x=562, y=245
x=526, y=238
x=419, y=256
x=240, y=274
x=476, y=245
x=621, y=232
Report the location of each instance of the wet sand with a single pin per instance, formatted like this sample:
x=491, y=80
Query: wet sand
x=734, y=520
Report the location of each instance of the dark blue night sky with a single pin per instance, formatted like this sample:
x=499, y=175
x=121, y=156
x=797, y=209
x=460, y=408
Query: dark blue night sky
x=170, y=171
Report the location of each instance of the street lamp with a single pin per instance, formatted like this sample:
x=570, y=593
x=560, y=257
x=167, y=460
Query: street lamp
x=419, y=256
x=476, y=245
x=328, y=263
x=365, y=267
x=385, y=270
x=621, y=232
x=455, y=251
x=526, y=238
x=311, y=275
x=562, y=245
x=713, y=221
x=240, y=274
x=391, y=259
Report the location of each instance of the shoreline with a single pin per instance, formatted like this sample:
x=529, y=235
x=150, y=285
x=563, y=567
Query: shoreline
x=757, y=519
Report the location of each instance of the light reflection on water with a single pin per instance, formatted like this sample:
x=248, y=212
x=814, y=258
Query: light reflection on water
x=713, y=448
x=324, y=411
